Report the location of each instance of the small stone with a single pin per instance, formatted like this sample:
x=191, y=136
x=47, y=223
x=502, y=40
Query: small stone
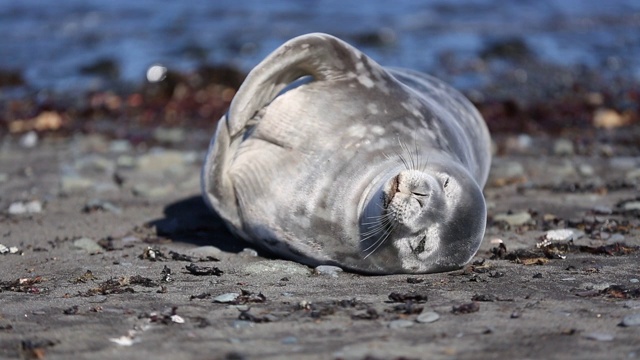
x=248, y=252
x=632, y=304
x=630, y=206
x=400, y=324
x=631, y=320
x=602, y=210
x=162, y=160
x=119, y=146
x=289, y=340
x=514, y=219
x=169, y=135
x=29, y=140
x=242, y=324
x=226, y=298
x=563, y=234
x=97, y=204
x=276, y=267
x=177, y=319
x=3, y=177
x=126, y=161
x=608, y=118
x=149, y=192
x=634, y=281
x=328, y=270
x=563, y=147
x=72, y=183
x=3, y=249
x=506, y=172
x=31, y=207
x=88, y=245
x=205, y=251
x=598, y=336
x=633, y=174
x=586, y=170
x=428, y=317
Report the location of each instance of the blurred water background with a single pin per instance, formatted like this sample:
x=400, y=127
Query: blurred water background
x=76, y=45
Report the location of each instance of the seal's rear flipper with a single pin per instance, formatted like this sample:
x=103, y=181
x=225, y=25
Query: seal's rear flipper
x=321, y=56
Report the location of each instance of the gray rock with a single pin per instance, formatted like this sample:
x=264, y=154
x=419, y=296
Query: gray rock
x=87, y=244
x=633, y=174
x=30, y=207
x=632, y=304
x=226, y=298
x=205, y=251
x=504, y=171
x=160, y=161
x=563, y=147
x=563, y=234
x=586, y=170
x=400, y=324
x=120, y=146
x=276, y=267
x=3, y=177
x=289, y=340
x=248, y=252
x=72, y=183
x=29, y=140
x=630, y=206
x=631, y=320
x=634, y=281
x=103, y=205
x=169, y=135
x=152, y=192
x=514, y=219
x=598, y=336
x=328, y=270
x=428, y=317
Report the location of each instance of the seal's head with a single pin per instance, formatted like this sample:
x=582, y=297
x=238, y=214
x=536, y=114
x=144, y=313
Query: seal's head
x=422, y=219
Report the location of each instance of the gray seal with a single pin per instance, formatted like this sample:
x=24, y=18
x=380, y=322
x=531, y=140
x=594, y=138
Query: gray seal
x=326, y=157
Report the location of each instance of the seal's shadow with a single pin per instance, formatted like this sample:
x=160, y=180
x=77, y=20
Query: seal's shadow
x=190, y=221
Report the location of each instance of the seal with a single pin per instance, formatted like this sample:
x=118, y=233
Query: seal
x=326, y=157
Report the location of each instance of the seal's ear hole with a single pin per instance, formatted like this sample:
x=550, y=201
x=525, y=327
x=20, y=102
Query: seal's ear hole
x=296, y=83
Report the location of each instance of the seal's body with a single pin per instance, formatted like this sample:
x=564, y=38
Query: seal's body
x=325, y=157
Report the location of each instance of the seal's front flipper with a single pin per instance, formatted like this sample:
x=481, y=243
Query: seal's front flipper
x=321, y=56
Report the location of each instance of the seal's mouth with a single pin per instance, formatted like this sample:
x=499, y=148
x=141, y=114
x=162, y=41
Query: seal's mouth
x=394, y=188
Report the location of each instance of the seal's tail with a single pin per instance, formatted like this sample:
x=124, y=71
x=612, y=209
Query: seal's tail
x=321, y=56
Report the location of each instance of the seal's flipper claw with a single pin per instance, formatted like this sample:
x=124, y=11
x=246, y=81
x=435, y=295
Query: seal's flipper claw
x=321, y=56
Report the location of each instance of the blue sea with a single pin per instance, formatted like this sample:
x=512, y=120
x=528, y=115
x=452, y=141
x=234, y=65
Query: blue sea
x=50, y=42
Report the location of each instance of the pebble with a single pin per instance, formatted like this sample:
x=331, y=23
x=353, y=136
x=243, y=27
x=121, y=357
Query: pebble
x=632, y=304
x=563, y=234
x=8, y=249
x=514, y=219
x=87, y=244
x=586, y=170
x=276, y=267
x=161, y=160
x=249, y=252
x=31, y=207
x=241, y=324
x=205, y=251
x=630, y=206
x=103, y=205
x=72, y=183
x=169, y=135
x=126, y=161
x=4, y=177
x=631, y=320
x=428, y=317
x=505, y=172
x=400, y=324
x=29, y=140
x=120, y=146
x=226, y=298
x=149, y=191
x=289, y=340
x=598, y=336
x=563, y=147
x=634, y=281
x=633, y=174
x=328, y=270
